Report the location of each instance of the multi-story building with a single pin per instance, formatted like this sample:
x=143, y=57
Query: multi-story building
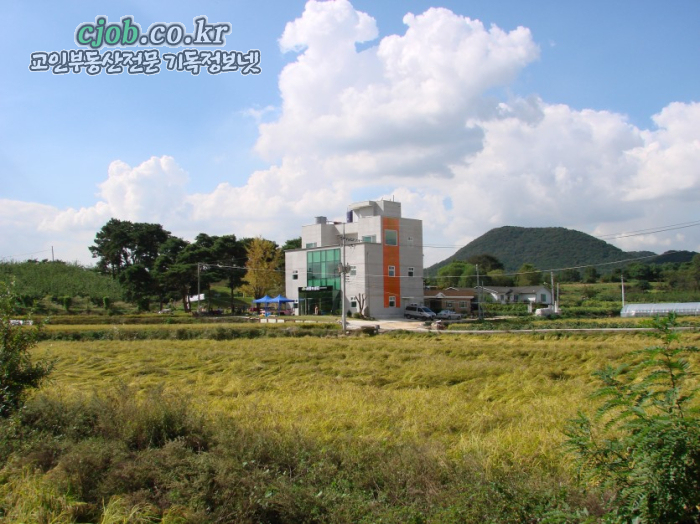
x=382, y=257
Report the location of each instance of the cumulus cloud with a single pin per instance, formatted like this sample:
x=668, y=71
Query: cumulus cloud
x=399, y=108
x=421, y=117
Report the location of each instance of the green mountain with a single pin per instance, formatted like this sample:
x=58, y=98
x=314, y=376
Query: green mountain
x=545, y=247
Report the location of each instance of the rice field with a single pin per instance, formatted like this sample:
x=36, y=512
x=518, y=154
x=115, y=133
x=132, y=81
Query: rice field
x=499, y=399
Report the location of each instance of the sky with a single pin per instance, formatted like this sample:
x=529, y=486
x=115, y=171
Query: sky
x=472, y=114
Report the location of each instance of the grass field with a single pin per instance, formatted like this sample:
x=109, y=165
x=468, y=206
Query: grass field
x=502, y=398
x=397, y=428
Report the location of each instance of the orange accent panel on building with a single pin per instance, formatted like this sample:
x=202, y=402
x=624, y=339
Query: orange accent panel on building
x=392, y=285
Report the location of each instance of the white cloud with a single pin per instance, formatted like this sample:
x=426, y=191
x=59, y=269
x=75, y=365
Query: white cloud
x=396, y=109
x=667, y=163
x=417, y=116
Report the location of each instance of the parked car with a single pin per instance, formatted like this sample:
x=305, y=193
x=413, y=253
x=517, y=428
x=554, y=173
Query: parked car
x=448, y=314
x=421, y=312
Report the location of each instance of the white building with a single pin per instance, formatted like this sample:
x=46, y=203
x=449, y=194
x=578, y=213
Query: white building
x=382, y=253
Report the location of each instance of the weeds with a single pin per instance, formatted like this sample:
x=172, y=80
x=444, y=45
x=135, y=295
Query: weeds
x=644, y=441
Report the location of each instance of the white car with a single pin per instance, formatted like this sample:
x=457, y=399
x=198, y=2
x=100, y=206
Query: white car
x=448, y=314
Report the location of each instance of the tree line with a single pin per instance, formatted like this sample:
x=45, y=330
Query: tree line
x=489, y=270
x=152, y=264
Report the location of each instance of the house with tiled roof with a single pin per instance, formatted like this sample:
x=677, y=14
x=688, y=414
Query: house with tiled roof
x=456, y=299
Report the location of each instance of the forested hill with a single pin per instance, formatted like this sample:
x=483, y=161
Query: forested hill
x=545, y=247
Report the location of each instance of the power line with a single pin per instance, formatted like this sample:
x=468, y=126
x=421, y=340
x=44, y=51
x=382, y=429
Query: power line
x=649, y=231
x=583, y=266
x=25, y=254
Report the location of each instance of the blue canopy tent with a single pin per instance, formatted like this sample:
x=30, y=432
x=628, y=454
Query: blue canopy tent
x=279, y=299
x=264, y=300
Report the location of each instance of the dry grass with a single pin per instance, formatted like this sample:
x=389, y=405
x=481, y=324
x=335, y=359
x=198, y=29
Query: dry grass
x=501, y=400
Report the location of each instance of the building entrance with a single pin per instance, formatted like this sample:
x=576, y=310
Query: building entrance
x=325, y=298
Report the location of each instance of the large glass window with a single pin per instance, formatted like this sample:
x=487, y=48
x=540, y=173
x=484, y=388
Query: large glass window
x=391, y=237
x=322, y=268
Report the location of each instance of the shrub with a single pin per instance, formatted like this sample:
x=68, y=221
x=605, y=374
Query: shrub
x=17, y=372
x=644, y=440
x=67, y=302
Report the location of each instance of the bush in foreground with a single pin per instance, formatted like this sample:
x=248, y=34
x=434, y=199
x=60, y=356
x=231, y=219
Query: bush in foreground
x=18, y=373
x=643, y=443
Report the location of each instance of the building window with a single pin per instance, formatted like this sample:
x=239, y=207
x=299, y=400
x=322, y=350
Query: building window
x=449, y=304
x=392, y=301
x=353, y=270
x=322, y=268
x=353, y=303
x=310, y=245
x=463, y=304
x=369, y=239
x=295, y=275
x=543, y=298
x=392, y=271
x=391, y=237
x=410, y=271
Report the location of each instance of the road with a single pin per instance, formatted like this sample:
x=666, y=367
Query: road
x=419, y=326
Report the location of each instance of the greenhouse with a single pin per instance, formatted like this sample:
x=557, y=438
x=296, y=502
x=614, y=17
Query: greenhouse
x=651, y=310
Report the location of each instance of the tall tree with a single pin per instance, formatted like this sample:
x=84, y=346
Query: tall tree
x=457, y=274
x=591, y=275
x=173, y=273
x=231, y=256
x=570, y=275
x=486, y=263
x=292, y=243
x=128, y=252
x=497, y=277
x=121, y=243
x=263, y=273
x=529, y=275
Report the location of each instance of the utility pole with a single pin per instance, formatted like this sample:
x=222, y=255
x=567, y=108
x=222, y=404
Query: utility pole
x=554, y=302
x=479, y=288
x=200, y=266
x=622, y=281
x=198, y=286
x=344, y=269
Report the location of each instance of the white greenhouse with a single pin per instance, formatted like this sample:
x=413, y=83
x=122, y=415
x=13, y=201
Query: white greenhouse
x=651, y=310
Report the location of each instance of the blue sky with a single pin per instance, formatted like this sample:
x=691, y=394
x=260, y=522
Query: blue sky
x=473, y=114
